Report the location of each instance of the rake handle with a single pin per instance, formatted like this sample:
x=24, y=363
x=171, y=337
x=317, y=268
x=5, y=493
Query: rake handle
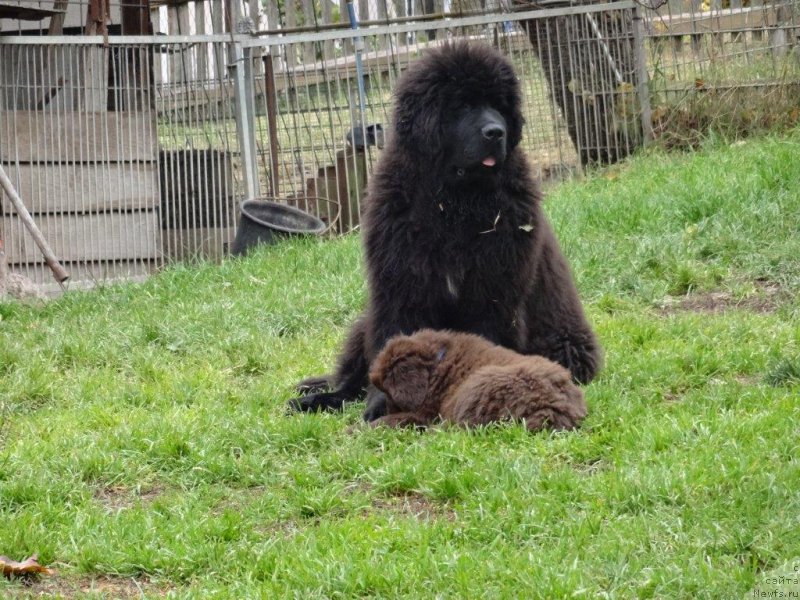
x=59, y=272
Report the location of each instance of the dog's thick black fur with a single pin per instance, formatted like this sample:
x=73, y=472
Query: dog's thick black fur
x=454, y=235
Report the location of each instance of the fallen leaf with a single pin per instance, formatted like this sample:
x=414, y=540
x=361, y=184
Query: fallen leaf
x=26, y=568
x=659, y=112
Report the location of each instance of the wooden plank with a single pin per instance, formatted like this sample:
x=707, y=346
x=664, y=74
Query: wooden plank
x=273, y=16
x=133, y=91
x=382, y=14
x=320, y=72
x=327, y=18
x=83, y=188
x=290, y=14
x=12, y=10
x=254, y=12
x=57, y=21
x=58, y=78
x=109, y=236
x=78, y=137
x=134, y=63
x=309, y=49
x=255, y=15
x=180, y=67
x=217, y=26
x=717, y=20
x=135, y=15
x=201, y=50
x=363, y=13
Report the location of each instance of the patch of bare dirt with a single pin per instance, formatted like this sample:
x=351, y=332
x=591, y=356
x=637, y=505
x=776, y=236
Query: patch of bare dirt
x=746, y=379
x=111, y=587
x=590, y=466
x=766, y=298
x=14, y=285
x=413, y=505
x=119, y=497
x=407, y=504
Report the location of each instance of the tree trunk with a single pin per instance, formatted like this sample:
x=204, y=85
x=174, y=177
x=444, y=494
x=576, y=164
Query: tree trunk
x=589, y=61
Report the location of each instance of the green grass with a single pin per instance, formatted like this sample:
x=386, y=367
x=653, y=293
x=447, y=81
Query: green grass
x=144, y=446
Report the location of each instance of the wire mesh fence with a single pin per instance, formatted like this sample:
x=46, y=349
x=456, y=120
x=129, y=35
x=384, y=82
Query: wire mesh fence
x=321, y=148
x=731, y=65
x=135, y=151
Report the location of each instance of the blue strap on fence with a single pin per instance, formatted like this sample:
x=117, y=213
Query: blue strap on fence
x=358, y=44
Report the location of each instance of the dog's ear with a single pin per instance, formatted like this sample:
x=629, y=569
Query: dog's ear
x=379, y=370
x=406, y=382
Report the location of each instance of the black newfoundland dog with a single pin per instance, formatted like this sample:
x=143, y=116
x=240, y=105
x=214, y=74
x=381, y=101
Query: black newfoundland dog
x=454, y=235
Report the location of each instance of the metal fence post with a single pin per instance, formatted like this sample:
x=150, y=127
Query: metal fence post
x=642, y=87
x=244, y=110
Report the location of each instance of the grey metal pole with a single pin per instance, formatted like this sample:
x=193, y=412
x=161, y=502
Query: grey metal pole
x=642, y=89
x=241, y=61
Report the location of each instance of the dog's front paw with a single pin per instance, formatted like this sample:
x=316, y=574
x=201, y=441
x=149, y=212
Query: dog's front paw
x=314, y=385
x=376, y=407
x=583, y=359
x=329, y=401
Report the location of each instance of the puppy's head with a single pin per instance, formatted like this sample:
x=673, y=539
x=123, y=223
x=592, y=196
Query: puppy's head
x=404, y=368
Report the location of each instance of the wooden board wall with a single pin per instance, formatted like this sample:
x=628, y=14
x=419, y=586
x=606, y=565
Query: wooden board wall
x=53, y=78
x=78, y=137
x=100, y=237
x=84, y=188
x=88, y=174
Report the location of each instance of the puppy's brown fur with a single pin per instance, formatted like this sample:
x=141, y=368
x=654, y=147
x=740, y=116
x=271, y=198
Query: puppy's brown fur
x=464, y=379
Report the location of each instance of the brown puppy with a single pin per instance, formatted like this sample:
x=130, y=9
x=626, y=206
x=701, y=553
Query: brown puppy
x=462, y=378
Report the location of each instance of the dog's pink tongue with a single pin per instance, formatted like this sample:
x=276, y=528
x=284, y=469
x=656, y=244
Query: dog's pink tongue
x=489, y=161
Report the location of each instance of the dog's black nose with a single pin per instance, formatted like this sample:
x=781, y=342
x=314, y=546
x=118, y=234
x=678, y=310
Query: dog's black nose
x=493, y=131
